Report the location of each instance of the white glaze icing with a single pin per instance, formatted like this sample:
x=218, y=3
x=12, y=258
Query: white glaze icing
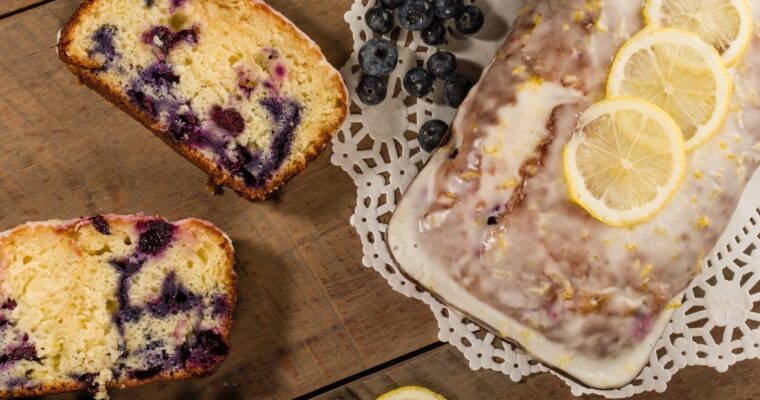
x=582, y=296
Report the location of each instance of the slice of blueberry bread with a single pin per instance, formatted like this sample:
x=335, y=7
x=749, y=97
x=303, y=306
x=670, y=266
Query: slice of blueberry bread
x=112, y=301
x=231, y=85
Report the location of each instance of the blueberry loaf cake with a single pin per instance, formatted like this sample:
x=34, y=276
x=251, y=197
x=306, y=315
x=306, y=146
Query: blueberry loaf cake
x=112, y=301
x=231, y=85
x=488, y=226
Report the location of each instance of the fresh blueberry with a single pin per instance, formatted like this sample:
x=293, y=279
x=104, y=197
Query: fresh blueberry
x=455, y=89
x=380, y=20
x=228, y=119
x=372, y=90
x=433, y=134
x=448, y=8
x=418, y=82
x=470, y=21
x=442, y=64
x=434, y=35
x=416, y=15
x=378, y=57
x=389, y=4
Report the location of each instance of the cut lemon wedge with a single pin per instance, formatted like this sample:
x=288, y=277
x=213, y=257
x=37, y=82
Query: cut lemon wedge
x=411, y=393
x=625, y=161
x=678, y=72
x=725, y=24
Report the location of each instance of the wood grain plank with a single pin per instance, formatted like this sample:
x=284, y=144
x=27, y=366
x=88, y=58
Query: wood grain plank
x=10, y=6
x=446, y=371
x=308, y=312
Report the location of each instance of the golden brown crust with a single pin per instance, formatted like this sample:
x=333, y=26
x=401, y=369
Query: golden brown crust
x=187, y=373
x=83, y=68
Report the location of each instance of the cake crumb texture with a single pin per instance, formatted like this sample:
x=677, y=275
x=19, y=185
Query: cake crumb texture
x=112, y=301
x=230, y=84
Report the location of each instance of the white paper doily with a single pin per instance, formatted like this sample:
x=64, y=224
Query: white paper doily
x=716, y=326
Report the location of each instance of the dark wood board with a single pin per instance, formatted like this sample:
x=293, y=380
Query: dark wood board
x=308, y=312
x=11, y=6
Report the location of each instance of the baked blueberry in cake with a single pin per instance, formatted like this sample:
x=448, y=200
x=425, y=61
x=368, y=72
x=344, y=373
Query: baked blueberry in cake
x=112, y=301
x=231, y=85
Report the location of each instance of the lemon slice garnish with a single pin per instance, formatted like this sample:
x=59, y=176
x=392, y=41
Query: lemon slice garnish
x=725, y=24
x=678, y=72
x=625, y=161
x=411, y=393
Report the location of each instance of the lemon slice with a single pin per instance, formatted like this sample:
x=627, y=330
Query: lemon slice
x=411, y=393
x=725, y=24
x=677, y=71
x=625, y=161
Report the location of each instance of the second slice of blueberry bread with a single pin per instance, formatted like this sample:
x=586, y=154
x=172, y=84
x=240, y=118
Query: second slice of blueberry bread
x=231, y=85
x=112, y=301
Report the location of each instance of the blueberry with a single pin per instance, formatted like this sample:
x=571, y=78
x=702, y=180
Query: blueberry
x=389, y=4
x=416, y=15
x=442, y=64
x=9, y=304
x=470, y=21
x=155, y=235
x=287, y=116
x=164, y=39
x=220, y=305
x=88, y=380
x=380, y=20
x=235, y=158
x=378, y=57
x=186, y=127
x=418, y=82
x=100, y=224
x=228, y=119
x=158, y=75
x=208, y=348
x=434, y=35
x=174, y=298
x=23, y=351
x=455, y=89
x=102, y=42
x=448, y=8
x=432, y=134
x=372, y=90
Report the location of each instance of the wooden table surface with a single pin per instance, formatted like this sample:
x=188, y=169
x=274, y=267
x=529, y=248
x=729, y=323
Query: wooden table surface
x=311, y=322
